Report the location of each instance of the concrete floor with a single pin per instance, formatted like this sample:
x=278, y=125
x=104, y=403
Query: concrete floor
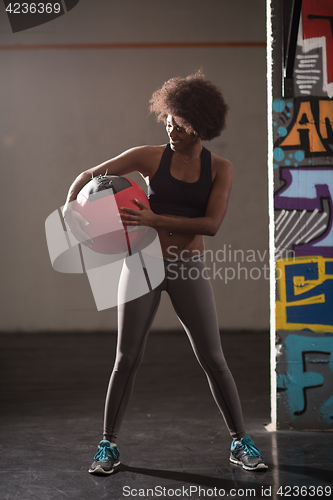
x=173, y=444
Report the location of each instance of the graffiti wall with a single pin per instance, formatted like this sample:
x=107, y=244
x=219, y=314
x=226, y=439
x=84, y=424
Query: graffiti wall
x=303, y=164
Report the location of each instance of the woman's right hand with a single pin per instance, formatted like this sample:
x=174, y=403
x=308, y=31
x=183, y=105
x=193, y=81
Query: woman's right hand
x=75, y=221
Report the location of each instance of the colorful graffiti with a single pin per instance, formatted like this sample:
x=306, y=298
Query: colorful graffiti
x=311, y=128
x=301, y=383
x=305, y=294
x=303, y=163
x=315, y=39
x=304, y=193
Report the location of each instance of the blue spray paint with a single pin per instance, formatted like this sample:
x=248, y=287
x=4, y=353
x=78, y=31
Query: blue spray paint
x=297, y=379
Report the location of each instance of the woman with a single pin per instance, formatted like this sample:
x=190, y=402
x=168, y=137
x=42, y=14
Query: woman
x=189, y=190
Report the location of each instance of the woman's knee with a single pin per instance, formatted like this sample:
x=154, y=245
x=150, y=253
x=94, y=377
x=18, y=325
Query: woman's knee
x=213, y=362
x=128, y=361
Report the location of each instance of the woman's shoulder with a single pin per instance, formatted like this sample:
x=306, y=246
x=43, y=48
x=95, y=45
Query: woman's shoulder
x=220, y=166
x=149, y=158
x=148, y=150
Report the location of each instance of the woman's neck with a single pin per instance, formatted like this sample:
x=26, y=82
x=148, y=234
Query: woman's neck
x=190, y=152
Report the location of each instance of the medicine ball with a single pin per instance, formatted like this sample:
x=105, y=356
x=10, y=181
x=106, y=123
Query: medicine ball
x=99, y=202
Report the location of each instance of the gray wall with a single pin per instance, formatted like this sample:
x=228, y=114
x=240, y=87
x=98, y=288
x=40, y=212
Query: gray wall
x=64, y=111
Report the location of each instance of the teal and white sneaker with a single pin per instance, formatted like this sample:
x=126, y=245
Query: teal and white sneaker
x=246, y=454
x=106, y=458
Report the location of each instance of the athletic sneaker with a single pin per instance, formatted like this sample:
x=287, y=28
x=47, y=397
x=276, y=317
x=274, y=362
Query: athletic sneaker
x=246, y=454
x=106, y=458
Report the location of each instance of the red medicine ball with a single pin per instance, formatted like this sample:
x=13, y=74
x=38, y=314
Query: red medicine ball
x=99, y=202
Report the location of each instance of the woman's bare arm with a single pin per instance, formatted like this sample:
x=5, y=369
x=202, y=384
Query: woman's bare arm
x=136, y=159
x=141, y=159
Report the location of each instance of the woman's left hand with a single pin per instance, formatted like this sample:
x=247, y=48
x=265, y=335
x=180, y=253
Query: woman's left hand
x=143, y=217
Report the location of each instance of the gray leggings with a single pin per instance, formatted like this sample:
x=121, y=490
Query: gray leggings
x=194, y=304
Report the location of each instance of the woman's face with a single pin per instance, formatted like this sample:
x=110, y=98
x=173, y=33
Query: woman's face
x=179, y=138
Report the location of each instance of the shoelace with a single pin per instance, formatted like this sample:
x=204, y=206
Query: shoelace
x=248, y=445
x=104, y=452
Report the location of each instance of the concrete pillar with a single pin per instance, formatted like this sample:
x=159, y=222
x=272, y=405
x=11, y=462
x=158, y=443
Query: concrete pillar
x=301, y=165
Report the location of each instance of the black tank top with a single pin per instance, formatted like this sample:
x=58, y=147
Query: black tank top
x=168, y=195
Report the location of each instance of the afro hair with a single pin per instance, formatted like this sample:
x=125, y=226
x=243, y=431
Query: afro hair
x=197, y=104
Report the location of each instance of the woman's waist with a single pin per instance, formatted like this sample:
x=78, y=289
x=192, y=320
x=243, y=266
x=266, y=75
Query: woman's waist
x=169, y=244
x=182, y=245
